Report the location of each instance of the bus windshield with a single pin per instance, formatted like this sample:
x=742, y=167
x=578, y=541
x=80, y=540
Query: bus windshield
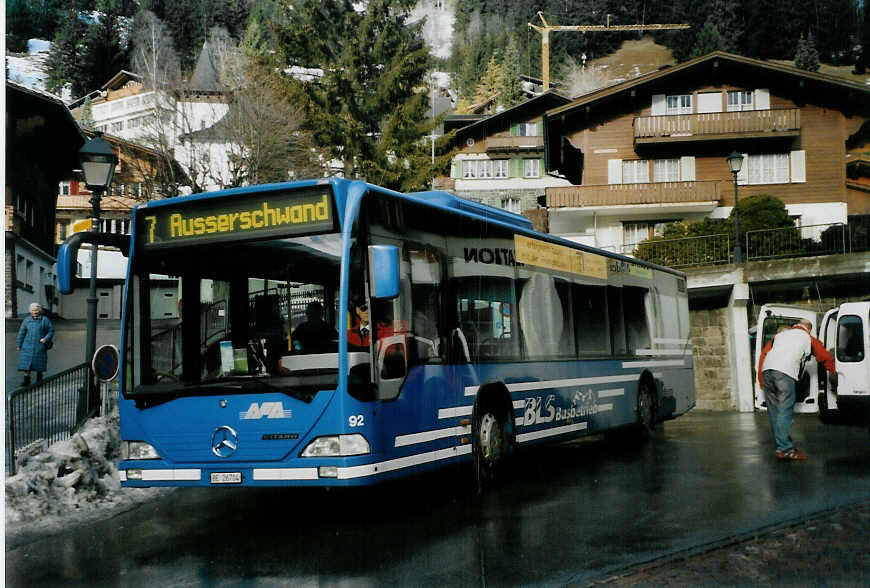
x=236, y=316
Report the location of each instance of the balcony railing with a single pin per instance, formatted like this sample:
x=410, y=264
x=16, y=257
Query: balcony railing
x=830, y=239
x=761, y=245
x=514, y=143
x=706, y=250
x=622, y=194
x=717, y=125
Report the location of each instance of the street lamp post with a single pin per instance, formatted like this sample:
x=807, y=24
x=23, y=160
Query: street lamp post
x=735, y=162
x=98, y=162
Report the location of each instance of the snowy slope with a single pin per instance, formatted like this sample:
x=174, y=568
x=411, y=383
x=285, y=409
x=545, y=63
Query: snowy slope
x=29, y=70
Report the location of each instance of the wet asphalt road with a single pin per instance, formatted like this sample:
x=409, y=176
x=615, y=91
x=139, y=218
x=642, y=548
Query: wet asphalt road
x=569, y=513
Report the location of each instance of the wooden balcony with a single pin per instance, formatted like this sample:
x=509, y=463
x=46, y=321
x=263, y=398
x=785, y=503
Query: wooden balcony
x=503, y=144
x=750, y=124
x=631, y=194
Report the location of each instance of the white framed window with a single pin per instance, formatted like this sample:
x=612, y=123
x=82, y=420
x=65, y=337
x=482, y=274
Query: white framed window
x=633, y=232
x=679, y=104
x=500, y=168
x=531, y=168
x=484, y=168
x=469, y=169
x=64, y=188
x=512, y=204
x=666, y=170
x=767, y=168
x=528, y=129
x=635, y=171
x=740, y=100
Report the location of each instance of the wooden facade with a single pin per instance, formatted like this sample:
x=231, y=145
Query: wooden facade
x=801, y=119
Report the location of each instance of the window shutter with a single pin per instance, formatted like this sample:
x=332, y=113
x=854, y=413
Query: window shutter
x=709, y=102
x=515, y=130
x=798, y=166
x=614, y=171
x=515, y=168
x=743, y=174
x=687, y=169
x=659, y=104
x=539, y=129
x=762, y=99
x=456, y=169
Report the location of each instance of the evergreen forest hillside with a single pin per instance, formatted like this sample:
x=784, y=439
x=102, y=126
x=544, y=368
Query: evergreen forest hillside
x=92, y=39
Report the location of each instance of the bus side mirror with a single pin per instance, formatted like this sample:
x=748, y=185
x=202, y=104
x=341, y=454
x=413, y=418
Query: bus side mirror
x=384, y=269
x=67, y=255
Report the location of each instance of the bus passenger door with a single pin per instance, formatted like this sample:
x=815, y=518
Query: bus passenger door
x=412, y=382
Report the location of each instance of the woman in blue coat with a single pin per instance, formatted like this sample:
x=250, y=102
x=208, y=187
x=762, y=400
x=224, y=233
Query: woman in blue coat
x=35, y=333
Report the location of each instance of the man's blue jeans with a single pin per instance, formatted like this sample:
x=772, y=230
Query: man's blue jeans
x=779, y=391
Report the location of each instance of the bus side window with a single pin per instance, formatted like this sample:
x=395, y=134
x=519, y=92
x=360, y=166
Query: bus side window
x=425, y=269
x=590, y=315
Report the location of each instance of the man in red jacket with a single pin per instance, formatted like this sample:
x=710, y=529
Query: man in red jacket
x=779, y=367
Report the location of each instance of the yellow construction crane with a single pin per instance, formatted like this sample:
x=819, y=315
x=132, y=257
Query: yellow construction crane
x=545, y=29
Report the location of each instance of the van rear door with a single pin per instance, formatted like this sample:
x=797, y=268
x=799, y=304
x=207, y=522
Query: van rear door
x=827, y=392
x=853, y=366
x=770, y=319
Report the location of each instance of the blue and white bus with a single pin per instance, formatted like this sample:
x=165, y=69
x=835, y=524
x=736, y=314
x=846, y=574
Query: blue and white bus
x=486, y=336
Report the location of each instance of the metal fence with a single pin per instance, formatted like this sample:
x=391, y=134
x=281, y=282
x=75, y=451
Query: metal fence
x=51, y=410
x=828, y=239
x=706, y=250
x=763, y=244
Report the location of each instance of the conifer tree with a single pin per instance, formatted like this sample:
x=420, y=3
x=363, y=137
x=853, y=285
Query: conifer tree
x=511, y=90
x=708, y=40
x=87, y=117
x=806, y=56
x=63, y=63
x=370, y=107
x=490, y=83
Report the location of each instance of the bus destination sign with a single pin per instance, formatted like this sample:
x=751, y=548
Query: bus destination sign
x=246, y=216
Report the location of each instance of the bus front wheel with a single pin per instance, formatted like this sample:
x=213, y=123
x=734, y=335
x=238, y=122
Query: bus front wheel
x=488, y=447
x=646, y=410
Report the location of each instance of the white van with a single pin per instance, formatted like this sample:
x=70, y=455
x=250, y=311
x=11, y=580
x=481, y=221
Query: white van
x=770, y=319
x=845, y=331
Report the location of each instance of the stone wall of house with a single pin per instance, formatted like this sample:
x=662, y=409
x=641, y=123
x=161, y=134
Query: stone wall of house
x=528, y=198
x=711, y=345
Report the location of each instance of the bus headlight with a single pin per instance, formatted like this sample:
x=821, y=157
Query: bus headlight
x=138, y=450
x=337, y=446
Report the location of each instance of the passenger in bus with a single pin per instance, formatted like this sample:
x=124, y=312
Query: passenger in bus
x=359, y=333
x=779, y=367
x=315, y=334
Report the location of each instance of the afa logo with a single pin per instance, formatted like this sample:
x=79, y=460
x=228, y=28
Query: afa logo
x=269, y=410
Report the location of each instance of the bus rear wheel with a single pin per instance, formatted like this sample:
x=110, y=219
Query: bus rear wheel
x=488, y=447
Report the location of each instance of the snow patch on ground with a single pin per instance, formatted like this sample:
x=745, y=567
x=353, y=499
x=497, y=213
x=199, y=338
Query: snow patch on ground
x=74, y=481
x=29, y=70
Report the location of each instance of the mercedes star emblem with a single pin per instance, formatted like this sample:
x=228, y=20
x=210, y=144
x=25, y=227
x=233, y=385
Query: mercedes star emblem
x=224, y=441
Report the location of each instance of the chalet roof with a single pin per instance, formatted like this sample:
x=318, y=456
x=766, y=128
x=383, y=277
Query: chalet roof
x=520, y=112
x=722, y=66
x=119, y=79
x=48, y=119
x=205, y=76
x=107, y=203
